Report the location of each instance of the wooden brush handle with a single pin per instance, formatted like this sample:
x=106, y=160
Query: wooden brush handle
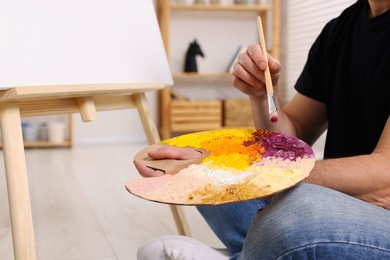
x=267, y=73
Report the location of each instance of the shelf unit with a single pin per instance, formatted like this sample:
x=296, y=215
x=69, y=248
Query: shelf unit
x=67, y=143
x=164, y=11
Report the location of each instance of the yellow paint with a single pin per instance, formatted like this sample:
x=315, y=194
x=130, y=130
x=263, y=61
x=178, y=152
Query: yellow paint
x=227, y=149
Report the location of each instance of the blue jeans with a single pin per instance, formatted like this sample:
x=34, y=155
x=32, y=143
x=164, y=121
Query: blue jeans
x=309, y=222
x=231, y=222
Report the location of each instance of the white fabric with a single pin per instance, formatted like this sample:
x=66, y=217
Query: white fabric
x=179, y=248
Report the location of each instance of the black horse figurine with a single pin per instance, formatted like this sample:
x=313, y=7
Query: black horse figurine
x=190, y=62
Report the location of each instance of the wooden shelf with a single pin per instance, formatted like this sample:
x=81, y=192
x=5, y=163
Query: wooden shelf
x=221, y=7
x=41, y=144
x=44, y=144
x=169, y=121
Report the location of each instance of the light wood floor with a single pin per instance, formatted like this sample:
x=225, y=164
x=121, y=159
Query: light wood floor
x=81, y=209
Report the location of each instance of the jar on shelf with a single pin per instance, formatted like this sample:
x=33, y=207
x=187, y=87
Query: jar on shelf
x=30, y=132
x=262, y=2
x=182, y=1
x=56, y=132
x=241, y=2
x=43, y=132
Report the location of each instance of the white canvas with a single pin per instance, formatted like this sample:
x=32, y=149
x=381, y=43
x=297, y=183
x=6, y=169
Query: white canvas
x=53, y=42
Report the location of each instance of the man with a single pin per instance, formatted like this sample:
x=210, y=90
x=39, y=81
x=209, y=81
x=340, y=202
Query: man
x=341, y=211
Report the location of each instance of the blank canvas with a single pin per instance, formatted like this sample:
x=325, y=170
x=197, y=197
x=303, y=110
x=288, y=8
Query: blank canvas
x=53, y=42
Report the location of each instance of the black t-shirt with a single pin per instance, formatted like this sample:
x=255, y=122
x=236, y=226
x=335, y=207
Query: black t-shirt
x=348, y=68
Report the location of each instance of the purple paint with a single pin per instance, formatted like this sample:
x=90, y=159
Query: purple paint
x=280, y=145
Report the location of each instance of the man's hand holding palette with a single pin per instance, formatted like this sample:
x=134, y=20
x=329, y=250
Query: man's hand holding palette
x=233, y=165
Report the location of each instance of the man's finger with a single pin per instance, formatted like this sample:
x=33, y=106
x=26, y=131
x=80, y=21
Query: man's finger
x=146, y=171
x=173, y=152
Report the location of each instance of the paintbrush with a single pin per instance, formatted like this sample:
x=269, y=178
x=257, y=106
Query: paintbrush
x=272, y=110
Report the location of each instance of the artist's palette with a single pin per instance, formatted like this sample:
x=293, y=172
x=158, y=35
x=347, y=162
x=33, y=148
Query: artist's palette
x=235, y=165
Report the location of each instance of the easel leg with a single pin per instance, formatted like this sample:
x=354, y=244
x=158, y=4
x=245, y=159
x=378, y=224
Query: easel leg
x=180, y=220
x=17, y=182
x=146, y=118
x=153, y=137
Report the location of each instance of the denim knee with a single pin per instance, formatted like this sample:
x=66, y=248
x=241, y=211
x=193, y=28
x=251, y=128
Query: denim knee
x=310, y=219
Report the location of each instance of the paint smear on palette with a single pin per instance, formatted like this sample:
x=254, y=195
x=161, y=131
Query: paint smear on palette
x=243, y=164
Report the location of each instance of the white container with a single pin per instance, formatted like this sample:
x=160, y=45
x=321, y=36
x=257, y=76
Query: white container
x=262, y=2
x=43, y=132
x=30, y=132
x=56, y=132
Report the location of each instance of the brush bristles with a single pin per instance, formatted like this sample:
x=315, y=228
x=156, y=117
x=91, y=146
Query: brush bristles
x=272, y=110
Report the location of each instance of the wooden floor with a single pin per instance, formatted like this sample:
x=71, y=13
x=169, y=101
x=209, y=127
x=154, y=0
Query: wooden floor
x=81, y=209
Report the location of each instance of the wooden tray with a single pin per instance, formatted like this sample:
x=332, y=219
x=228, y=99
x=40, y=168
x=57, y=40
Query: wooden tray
x=235, y=165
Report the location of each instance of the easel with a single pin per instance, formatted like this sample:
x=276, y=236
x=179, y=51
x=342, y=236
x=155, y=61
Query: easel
x=18, y=102
x=71, y=56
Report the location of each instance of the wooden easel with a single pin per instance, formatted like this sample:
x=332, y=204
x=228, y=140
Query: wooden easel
x=85, y=99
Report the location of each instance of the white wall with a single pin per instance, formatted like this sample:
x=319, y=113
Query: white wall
x=302, y=21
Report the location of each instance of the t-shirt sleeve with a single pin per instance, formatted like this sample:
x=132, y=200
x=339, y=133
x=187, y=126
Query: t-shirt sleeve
x=311, y=82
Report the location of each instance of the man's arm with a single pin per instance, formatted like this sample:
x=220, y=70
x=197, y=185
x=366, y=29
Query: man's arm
x=366, y=177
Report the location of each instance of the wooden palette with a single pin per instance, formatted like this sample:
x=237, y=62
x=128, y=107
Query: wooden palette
x=234, y=165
